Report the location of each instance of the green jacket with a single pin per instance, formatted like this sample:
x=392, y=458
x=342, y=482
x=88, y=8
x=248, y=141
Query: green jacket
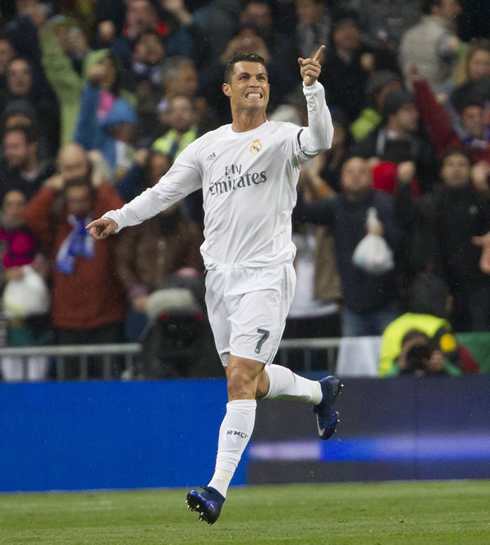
x=365, y=124
x=394, y=333
x=165, y=143
x=64, y=80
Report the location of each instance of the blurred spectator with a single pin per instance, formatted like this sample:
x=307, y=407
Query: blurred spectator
x=218, y=23
x=283, y=53
x=370, y=301
x=380, y=84
x=397, y=141
x=88, y=306
x=314, y=311
x=19, y=113
x=21, y=85
x=180, y=78
x=182, y=119
x=472, y=67
x=476, y=135
x=7, y=53
x=72, y=41
x=143, y=16
x=106, y=121
x=445, y=223
x=147, y=169
x=153, y=251
x=23, y=271
x=65, y=80
x=386, y=22
x=417, y=357
x=23, y=169
x=325, y=170
x=429, y=305
x=432, y=44
x=147, y=62
x=313, y=27
x=347, y=65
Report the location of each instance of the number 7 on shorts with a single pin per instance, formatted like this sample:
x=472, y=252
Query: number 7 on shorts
x=265, y=335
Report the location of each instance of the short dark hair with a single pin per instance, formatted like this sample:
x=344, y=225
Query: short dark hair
x=427, y=6
x=240, y=57
x=414, y=334
x=449, y=152
x=28, y=132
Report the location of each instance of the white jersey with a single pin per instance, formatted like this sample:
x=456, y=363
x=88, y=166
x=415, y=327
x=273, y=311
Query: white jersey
x=249, y=187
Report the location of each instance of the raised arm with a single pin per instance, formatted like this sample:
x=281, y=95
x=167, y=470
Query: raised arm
x=317, y=138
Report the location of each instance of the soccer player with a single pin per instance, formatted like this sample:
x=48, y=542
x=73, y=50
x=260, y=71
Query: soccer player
x=248, y=172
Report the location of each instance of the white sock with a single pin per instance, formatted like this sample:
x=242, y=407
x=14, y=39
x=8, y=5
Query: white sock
x=234, y=434
x=284, y=384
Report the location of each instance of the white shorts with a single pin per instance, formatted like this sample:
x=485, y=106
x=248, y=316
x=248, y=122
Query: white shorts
x=247, y=310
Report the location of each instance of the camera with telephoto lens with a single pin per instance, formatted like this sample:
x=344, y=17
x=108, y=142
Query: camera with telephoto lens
x=417, y=358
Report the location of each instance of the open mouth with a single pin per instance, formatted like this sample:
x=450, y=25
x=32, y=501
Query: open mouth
x=253, y=94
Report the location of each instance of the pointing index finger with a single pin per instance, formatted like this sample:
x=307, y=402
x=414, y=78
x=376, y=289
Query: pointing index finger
x=318, y=55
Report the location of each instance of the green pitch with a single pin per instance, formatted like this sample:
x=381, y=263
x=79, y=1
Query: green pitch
x=422, y=513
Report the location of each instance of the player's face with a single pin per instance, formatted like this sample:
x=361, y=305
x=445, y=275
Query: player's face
x=249, y=87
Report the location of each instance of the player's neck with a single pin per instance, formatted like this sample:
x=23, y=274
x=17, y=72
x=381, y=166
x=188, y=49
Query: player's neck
x=244, y=121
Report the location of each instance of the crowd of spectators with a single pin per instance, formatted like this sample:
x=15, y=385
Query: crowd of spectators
x=99, y=97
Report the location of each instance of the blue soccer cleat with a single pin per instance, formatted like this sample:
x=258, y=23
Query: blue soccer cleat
x=326, y=418
x=208, y=504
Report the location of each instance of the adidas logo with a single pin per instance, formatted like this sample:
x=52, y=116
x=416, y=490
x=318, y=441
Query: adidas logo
x=211, y=156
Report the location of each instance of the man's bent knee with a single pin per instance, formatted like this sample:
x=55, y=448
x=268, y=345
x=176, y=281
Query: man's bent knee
x=243, y=377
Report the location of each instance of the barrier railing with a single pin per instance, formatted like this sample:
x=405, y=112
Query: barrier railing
x=129, y=352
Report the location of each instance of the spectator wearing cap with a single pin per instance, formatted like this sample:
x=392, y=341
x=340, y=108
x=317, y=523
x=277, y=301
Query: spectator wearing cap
x=21, y=113
x=379, y=85
x=432, y=44
x=429, y=304
x=396, y=140
x=443, y=226
x=23, y=169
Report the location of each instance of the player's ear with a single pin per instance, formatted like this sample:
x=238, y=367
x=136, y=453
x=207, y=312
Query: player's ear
x=226, y=89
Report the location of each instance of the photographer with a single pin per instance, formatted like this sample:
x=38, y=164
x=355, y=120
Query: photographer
x=419, y=358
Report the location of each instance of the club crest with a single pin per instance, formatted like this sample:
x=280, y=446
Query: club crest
x=255, y=147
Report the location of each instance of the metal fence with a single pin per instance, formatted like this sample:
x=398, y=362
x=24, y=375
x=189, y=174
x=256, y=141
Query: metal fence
x=315, y=354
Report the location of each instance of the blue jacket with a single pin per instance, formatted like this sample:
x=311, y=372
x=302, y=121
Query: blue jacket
x=92, y=133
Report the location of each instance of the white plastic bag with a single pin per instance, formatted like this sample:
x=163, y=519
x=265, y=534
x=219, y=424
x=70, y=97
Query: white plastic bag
x=372, y=254
x=28, y=296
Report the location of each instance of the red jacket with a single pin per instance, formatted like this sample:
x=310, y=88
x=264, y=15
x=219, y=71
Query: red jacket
x=92, y=297
x=438, y=123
